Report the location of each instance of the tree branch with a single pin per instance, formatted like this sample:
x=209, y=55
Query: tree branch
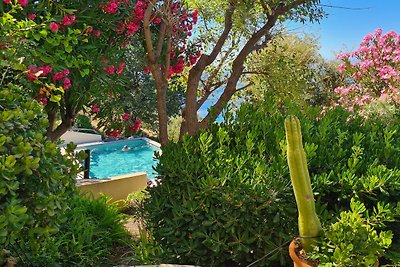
x=147, y=34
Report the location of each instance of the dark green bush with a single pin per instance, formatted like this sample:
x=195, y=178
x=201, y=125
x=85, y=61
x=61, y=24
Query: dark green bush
x=36, y=181
x=225, y=197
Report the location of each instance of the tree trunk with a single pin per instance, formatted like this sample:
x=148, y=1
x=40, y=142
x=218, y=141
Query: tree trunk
x=162, y=112
x=65, y=125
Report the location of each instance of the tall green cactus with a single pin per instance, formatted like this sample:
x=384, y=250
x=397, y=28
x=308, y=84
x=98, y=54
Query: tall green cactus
x=309, y=224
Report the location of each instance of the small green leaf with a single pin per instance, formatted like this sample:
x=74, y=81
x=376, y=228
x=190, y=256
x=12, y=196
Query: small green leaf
x=55, y=98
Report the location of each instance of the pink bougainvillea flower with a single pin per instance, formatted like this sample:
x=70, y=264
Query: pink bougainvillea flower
x=53, y=26
x=23, y=3
x=95, y=108
x=31, y=16
x=6, y=1
x=126, y=116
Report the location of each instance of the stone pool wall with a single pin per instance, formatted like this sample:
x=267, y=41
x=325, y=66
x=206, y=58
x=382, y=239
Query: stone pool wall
x=117, y=187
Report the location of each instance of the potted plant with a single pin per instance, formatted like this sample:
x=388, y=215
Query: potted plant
x=309, y=224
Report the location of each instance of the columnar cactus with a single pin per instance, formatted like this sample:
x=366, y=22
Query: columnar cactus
x=309, y=224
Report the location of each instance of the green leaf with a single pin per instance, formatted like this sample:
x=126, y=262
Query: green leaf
x=55, y=98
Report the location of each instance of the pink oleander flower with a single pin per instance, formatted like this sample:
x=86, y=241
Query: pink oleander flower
x=126, y=116
x=95, y=108
x=46, y=69
x=139, y=13
x=157, y=20
x=23, y=3
x=96, y=33
x=31, y=16
x=132, y=27
x=68, y=20
x=6, y=1
x=341, y=68
x=140, y=4
x=110, y=70
x=111, y=8
x=53, y=26
x=136, y=126
x=120, y=69
x=58, y=76
x=67, y=83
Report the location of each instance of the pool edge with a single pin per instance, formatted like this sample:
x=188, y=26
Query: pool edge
x=117, y=187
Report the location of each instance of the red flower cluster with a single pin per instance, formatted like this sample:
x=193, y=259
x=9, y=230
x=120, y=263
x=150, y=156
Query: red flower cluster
x=110, y=7
x=23, y=3
x=68, y=20
x=111, y=69
x=136, y=126
x=95, y=108
x=126, y=116
x=34, y=72
x=114, y=133
x=62, y=76
x=31, y=16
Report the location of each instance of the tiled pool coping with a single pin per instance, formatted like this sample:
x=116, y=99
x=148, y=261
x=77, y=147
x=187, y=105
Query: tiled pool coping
x=154, y=143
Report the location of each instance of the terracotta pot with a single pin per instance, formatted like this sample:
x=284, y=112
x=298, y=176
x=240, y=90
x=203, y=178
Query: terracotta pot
x=299, y=261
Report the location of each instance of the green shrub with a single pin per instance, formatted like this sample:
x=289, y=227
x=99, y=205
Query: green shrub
x=83, y=121
x=352, y=241
x=225, y=197
x=92, y=232
x=36, y=181
x=223, y=200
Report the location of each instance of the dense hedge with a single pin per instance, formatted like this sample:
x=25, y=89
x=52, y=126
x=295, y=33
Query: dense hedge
x=36, y=180
x=225, y=197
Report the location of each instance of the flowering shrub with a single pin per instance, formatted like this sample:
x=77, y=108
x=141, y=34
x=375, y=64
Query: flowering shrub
x=62, y=47
x=372, y=72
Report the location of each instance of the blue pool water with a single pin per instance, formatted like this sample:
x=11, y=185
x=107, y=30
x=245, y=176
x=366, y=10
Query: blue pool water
x=109, y=159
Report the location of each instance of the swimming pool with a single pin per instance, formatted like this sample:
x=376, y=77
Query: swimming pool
x=108, y=159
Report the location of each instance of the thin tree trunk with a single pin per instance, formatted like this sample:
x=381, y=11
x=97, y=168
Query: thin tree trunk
x=162, y=112
x=60, y=130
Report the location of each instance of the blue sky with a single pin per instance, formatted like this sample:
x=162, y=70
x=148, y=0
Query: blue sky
x=344, y=29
